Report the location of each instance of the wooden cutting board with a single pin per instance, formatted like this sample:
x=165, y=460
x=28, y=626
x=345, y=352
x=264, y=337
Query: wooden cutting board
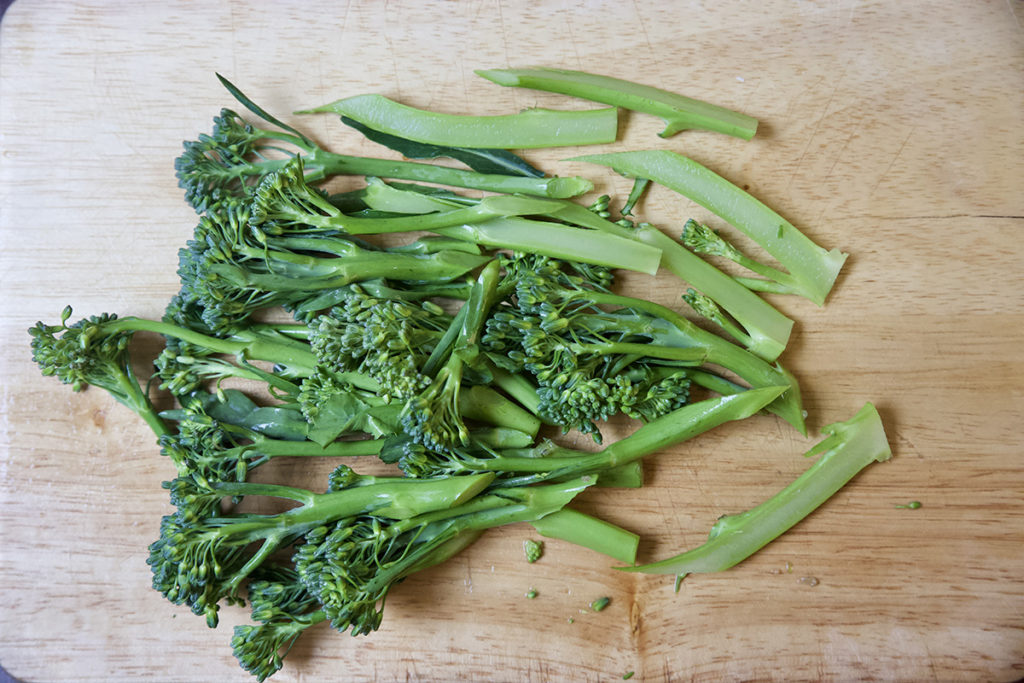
x=892, y=130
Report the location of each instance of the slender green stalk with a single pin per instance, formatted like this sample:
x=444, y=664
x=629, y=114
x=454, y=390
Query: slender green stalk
x=560, y=241
x=391, y=497
x=290, y=272
x=252, y=346
x=590, y=532
x=628, y=476
x=326, y=164
x=532, y=128
x=672, y=428
x=481, y=402
x=132, y=395
x=678, y=111
x=518, y=387
x=487, y=208
x=849, y=447
x=814, y=269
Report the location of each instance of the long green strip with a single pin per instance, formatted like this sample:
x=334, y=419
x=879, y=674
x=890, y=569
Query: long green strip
x=531, y=128
x=813, y=268
x=559, y=241
x=849, y=447
x=487, y=208
x=669, y=429
x=323, y=164
x=678, y=111
x=590, y=532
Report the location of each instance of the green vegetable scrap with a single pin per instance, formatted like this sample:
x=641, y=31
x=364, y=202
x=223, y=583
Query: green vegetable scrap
x=912, y=505
x=678, y=111
x=849, y=447
x=531, y=128
x=456, y=349
x=812, y=269
x=533, y=550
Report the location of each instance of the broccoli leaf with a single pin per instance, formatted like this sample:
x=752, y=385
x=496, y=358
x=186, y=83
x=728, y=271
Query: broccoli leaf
x=499, y=161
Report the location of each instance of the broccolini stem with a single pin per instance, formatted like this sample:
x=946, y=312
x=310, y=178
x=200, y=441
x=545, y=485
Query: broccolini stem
x=849, y=447
x=628, y=476
x=518, y=387
x=674, y=427
x=677, y=111
x=133, y=396
x=252, y=346
x=812, y=268
x=615, y=248
x=590, y=532
x=559, y=241
x=316, y=273
x=330, y=164
x=695, y=355
x=480, y=402
x=531, y=128
x=395, y=499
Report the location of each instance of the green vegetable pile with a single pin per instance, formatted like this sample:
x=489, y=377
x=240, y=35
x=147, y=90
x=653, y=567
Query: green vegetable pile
x=455, y=349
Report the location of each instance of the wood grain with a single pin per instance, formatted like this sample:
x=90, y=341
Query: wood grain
x=889, y=129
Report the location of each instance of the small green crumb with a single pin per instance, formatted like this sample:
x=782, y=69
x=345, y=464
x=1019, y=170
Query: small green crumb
x=628, y=675
x=600, y=604
x=531, y=594
x=533, y=549
x=912, y=505
x=571, y=620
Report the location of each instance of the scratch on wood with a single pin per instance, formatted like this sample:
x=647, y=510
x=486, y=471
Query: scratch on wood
x=1016, y=19
x=891, y=163
x=643, y=29
x=817, y=125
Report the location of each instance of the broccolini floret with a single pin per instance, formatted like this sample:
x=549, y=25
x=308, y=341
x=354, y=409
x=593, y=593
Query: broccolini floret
x=219, y=170
x=558, y=333
x=284, y=609
x=351, y=567
x=94, y=352
x=385, y=339
x=233, y=269
x=432, y=417
x=202, y=557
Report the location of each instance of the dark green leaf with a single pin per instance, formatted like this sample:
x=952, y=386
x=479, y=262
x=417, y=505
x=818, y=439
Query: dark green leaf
x=258, y=110
x=346, y=412
x=497, y=161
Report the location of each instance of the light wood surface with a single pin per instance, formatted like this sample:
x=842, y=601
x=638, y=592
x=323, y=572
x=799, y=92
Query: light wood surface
x=892, y=130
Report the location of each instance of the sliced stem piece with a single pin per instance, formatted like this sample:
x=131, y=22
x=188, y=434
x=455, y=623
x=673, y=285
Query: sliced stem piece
x=531, y=128
x=814, y=269
x=590, y=532
x=678, y=111
x=849, y=447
